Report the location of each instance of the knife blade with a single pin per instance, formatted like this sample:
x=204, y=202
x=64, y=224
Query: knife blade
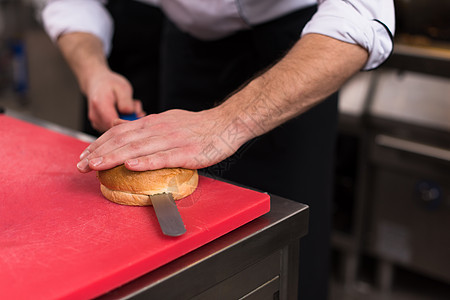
x=167, y=213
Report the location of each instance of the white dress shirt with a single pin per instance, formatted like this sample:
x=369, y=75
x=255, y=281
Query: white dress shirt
x=368, y=23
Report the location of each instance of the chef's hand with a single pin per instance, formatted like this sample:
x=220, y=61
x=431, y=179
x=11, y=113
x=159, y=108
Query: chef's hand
x=175, y=138
x=109, y=94
x=312, y=70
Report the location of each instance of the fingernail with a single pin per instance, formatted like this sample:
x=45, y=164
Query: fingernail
x=84, y=154
x=132, y=162
x=82, y=165
x=96, y=161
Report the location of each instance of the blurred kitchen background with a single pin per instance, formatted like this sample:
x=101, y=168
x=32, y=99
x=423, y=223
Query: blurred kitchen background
x=392, y=207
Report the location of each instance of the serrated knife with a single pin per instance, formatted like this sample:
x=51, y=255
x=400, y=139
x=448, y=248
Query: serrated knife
x=167, y=213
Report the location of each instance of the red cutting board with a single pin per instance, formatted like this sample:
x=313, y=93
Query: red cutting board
x=60, y=239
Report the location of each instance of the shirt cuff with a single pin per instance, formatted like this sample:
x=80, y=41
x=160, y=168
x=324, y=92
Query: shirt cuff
x=66, y=16
x=363, y=26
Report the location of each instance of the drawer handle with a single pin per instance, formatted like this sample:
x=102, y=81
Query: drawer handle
x=412, y=147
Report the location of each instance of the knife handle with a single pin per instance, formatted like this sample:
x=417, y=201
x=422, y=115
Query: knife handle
x=128, y=117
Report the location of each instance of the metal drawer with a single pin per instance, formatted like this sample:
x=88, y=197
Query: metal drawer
x=261, y=280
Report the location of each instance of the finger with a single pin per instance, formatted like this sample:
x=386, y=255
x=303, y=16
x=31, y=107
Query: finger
x=102, y=112
x=138, y=109
x=83, y=166
x=119, y=121
x=173, y=158
x=107, y=118
x=133, y=141
x=146, y=123
x=125, y=103
x=109, y=155
x=114, y=138
x=114, y=131
x=89, y=151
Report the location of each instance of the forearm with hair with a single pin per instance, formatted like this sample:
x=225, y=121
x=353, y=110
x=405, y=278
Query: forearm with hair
x=84, y=54
x=312, y=70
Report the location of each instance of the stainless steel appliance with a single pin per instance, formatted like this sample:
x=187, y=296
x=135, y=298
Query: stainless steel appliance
x=409, y=160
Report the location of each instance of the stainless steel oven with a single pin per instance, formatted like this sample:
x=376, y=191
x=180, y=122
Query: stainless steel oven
x=408, y=220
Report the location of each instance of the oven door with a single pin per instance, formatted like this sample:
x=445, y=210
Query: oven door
x=409, y=215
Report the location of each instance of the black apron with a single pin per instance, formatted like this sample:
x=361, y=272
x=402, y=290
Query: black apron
x=171, y=69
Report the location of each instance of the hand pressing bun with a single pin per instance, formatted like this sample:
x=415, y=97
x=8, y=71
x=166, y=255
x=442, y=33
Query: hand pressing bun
x=123, y=186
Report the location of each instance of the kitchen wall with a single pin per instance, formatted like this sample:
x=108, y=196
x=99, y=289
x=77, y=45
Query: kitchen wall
x=35, y=79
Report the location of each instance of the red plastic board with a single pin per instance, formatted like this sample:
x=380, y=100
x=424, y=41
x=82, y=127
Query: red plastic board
x=60, y=239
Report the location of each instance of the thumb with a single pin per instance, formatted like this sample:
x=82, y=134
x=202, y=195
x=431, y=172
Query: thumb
x=119, y=121
x=138, y=109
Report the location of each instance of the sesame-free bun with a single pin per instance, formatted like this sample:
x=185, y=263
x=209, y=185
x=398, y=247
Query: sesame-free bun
x=123, y=186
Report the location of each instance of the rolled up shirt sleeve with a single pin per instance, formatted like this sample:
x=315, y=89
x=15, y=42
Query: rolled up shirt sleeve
x=90, y=16
x=368, y=23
